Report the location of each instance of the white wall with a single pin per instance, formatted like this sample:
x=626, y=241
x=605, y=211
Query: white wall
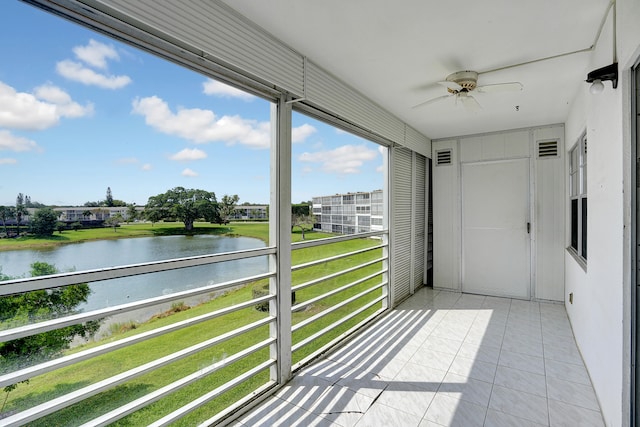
x=446, y=219
x=600, y=312
x=548, y=217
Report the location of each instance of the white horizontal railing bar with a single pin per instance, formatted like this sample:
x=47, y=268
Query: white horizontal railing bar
x=338, y=339
x=206, y=398
x=37, y=328
x=18, y=286
x=334, y=258
x=338, y=306
x=329, y=240
x=148, y=399
x=336, y=274
x=303, y=305
x=334, y=325
x=69, y=399
x=26, y=373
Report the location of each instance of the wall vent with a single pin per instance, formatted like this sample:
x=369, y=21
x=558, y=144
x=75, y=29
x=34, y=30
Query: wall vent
x=443, y=157
x=548, y=148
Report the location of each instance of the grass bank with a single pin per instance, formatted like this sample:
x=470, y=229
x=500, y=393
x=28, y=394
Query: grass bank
x=138, y=229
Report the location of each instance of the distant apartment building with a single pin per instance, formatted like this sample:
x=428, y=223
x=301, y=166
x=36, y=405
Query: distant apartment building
x=85, y=213
x=101, y=213
x=349, y=213
x=250, y=212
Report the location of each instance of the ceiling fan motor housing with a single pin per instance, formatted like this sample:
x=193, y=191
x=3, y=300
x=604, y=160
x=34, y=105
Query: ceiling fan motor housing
x=468, y=80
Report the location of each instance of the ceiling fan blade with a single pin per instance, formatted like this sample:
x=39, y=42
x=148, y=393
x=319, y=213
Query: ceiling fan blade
x=500, y=87
x=431, y=101
x=470, y=103
x=451, y=85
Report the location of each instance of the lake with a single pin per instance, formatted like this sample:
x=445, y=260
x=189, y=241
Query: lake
x=110, y=253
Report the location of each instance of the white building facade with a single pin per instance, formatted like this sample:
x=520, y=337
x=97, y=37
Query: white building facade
x=349, y=213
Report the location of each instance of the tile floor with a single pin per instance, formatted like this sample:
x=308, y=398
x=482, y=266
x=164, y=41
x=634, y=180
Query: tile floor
x=445, y=359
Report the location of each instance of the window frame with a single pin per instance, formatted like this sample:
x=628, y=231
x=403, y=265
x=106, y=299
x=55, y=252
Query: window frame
x=578, y=204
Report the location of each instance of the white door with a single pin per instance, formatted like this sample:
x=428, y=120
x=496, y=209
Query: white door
x=496, y=242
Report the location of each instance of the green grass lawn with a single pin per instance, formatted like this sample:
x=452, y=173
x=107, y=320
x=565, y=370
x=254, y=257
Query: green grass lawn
x=138, y=229
x=48, y=386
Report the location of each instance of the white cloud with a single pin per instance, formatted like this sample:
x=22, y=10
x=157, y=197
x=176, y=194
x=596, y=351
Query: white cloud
x=202, y=126
x=189, y=172
x=8, y=161
x=380, y=169
x=77, y=72
x=9, y=142
x=189, y=154
x=40, y=110
x=301, y=133
x=96, y=54
x=63, y=101
x=146, y=167
x=216, y=88
x=346, y=159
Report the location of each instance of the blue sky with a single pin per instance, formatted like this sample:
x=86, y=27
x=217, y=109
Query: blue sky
x=80, y=112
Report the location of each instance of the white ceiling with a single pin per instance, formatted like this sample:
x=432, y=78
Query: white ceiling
x=395, y=52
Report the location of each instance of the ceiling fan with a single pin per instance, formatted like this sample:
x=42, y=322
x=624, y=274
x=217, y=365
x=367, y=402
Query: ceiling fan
x=461, y=84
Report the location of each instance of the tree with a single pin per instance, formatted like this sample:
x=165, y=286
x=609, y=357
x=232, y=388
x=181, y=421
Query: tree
x=29, y=204
x=303, y=222
x=300, y=209
x=227, y=207
x=152, y=215
x=132, y=212
x=34, y=306
x=187, y=205
x=86, y=213
x=114, y=221
x=21, y=210
x=44, y=222
x=6, y=213
x=109, y=199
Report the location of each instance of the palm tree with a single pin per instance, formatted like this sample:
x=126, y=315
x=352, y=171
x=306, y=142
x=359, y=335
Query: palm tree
x=21, y=210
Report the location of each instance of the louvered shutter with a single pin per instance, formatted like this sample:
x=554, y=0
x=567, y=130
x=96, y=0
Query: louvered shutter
x=419, y=220
x=401, y=223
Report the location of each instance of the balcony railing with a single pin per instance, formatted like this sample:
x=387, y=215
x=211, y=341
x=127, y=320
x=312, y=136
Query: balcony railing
x=196, y=365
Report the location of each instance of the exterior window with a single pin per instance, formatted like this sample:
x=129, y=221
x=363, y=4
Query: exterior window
x=578, y=196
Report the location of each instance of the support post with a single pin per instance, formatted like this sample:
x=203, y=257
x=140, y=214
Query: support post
x=280, y=237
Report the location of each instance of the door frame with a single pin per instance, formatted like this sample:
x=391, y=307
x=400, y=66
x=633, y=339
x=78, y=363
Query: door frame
x=635, y=240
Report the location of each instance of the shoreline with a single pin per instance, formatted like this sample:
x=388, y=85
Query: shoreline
x=135, y=230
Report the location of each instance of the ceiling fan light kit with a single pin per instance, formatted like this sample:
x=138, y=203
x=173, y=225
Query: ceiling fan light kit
x=465, y=81
x=461, y=84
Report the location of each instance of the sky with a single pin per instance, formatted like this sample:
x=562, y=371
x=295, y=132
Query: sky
x=80, y=113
